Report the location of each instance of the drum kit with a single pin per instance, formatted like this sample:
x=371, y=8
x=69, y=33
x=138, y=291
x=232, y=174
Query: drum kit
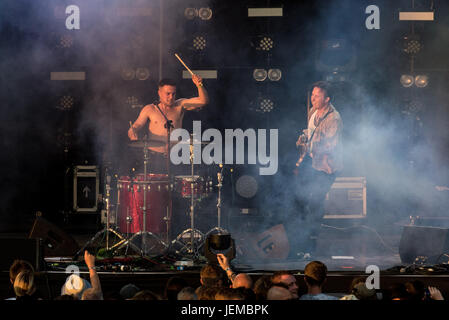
x=144, y=204
x=142, y=216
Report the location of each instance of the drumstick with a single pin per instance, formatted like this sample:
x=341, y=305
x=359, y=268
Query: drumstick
x=176, y=55
x=131, y=127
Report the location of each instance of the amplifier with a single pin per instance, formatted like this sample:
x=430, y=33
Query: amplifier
x=86, y=188
x=346, y=199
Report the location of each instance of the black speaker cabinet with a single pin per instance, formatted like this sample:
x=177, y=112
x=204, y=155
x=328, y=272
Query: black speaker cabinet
x=56, y=242
x=24, y=249
x=427, y=242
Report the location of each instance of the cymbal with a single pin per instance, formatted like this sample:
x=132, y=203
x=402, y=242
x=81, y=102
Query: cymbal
x=146, y=143
x=188, y=142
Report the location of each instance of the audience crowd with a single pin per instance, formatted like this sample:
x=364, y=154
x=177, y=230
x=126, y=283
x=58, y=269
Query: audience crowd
x=220, y=282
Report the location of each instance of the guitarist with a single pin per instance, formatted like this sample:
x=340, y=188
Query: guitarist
x=318, y=164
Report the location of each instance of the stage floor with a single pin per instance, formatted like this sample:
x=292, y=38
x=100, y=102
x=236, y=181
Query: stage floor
x=340, y=251
x=152, y=273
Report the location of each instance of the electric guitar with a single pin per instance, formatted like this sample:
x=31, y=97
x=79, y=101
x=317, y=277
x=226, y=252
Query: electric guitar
x=303, y=149
x=302, y=145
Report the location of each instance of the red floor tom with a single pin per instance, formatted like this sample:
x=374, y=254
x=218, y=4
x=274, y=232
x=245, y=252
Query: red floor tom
x=130, y=205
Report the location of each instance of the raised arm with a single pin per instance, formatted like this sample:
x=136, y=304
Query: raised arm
x=224, y=264
x=94, y=279
x=197, y=102
x=139, y=123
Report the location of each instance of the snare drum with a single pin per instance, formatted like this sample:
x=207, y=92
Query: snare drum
x=201, y=187
x=130, y=206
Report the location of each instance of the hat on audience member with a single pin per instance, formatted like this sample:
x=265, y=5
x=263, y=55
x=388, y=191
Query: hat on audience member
x=128, y=291
x=75, y=285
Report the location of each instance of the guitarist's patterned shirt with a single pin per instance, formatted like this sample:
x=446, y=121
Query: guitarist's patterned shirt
x=325, y=146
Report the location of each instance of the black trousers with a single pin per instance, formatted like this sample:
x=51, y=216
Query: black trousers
x=303, y=223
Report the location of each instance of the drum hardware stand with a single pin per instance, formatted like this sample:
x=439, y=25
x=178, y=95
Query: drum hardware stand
x=168, y=125
x=191, y=248
x=218, y=229
x=128, y=218
x=143, y=249
x=108, y=229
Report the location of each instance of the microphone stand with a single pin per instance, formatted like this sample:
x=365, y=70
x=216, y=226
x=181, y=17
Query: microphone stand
x=168, y=125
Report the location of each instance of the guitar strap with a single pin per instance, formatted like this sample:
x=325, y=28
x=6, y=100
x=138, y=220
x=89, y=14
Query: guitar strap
x=319, y=122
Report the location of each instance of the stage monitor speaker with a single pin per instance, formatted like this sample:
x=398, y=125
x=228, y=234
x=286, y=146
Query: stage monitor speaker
x=271, y=244
x=29, y=250
x=56, y=242
x=356, y=241
x=423, y=242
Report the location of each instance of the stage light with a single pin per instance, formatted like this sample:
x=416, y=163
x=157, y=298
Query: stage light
x=413, y=107
x=335, y=77
x=205, y=13
x=205, y=74
x=416, y=16
x=199, y=43
x=265, y=44
x=411, y=44
x=134, y=11
x=219, y=243
x=137, y=42
x=66, y=103
x=274, y=74
x=68, y=76
x=142, y=73
x=66, y=41
x=421, y=81
x=266, y=105
x=259, y=74
x=335, y=55
x=190, y=13
x=133, y=102
x=128, y=74
x=246, y=186
x=407, y=80
x=265, y=12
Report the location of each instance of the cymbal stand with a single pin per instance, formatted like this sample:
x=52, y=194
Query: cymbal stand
x=108, y=229
x=218, y=229
x=190, y=248
x=168, y=125
x=144, y=249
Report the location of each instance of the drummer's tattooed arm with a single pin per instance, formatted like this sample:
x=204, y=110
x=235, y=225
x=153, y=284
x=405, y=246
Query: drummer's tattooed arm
x=197, y=102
